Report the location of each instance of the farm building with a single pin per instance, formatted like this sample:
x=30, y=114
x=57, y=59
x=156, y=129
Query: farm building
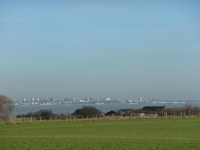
x=77, y=112
x=153, y=110
x=116, y=113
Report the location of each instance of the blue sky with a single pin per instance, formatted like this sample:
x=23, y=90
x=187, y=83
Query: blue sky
x=118, y=49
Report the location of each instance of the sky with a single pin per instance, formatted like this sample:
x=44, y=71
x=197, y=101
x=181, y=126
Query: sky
x=109, y=48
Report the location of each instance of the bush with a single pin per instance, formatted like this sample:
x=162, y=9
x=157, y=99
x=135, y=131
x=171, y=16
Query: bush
x=87, y=111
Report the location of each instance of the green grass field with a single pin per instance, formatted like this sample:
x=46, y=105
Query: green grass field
x=159, y=133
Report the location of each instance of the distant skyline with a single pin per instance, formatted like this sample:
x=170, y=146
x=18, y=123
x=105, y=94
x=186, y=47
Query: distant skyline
x=118, y=49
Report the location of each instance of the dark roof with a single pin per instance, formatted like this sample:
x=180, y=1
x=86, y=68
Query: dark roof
x=77, y=112
x=153, y=108
x=117, y=112
x=128, y=109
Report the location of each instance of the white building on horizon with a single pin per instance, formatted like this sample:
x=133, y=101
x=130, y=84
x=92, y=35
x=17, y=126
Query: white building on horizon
x=87, y=99
x=108, y=99
x=140, y=99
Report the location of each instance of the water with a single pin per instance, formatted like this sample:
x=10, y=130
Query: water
x=68, y=109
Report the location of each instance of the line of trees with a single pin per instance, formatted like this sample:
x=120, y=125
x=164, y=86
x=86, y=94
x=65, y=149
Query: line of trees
x=186, y=110
x=85, y=111
x=90, y=111
x=43, y=114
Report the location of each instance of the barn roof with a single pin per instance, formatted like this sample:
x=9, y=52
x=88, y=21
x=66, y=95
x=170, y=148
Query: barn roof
x=154, y=108
x=77, y=112
x=119, y=112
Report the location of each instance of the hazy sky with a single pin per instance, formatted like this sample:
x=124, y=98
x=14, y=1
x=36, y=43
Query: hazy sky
x=106, y=48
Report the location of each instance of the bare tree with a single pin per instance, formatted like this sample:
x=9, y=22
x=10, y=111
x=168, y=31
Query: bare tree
x=196, y=110
x=187, y=109
x=6, y=106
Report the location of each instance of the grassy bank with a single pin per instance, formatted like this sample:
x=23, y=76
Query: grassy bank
x=159, y=133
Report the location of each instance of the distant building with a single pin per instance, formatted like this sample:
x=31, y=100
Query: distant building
x=160, y=110
x=120, y=112
x=108, y=99
x=155, y=100
x=154, y=108
x=73, y=99
x=33, y=99
x=140, y=99
x=77, y=112
x=116, y=113
x=24, y=99
x=87, y=99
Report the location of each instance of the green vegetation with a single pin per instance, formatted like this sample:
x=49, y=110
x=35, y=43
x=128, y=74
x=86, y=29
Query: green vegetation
x=87, y=111
x=160, y=133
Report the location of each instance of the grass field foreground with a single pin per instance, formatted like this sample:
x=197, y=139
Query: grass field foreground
x=160, y=133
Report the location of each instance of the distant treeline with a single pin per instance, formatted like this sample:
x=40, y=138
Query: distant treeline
x=181, y=111
x=43, y=114
x=88, y=111
x=85, y=111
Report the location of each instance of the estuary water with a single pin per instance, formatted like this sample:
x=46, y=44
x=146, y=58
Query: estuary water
x=70, y=108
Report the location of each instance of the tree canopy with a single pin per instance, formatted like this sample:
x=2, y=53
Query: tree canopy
x=89, y=111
